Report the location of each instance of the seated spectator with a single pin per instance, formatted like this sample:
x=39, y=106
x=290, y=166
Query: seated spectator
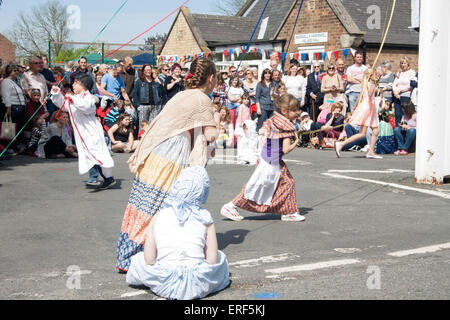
x=32, y=106
x=405, y=133
x=121, y=135
x=334, y=121
x=386, y=141
x=223, y=140
x=38, y=128
x=304, y=125
x=57, y=139
x=144, y=127
x=181, y=260
x=351, y=131
x=113, y=115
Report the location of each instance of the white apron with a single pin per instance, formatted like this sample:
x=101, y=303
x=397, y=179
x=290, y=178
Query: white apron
x=263, y=183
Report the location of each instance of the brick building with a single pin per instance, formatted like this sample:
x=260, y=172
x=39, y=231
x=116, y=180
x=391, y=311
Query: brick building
x=324, y=26
x=7, y=50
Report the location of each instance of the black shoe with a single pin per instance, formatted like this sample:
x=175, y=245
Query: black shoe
x=108, y=183
x=93, y=184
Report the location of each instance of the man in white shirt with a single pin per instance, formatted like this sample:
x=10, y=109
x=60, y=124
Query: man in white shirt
x=33, y=79
x=355, y=75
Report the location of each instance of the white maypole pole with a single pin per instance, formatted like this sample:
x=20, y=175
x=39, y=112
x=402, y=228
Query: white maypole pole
x=433, y=127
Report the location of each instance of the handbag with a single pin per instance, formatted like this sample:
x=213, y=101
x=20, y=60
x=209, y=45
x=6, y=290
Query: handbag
x=8, y=129
x=328, y=142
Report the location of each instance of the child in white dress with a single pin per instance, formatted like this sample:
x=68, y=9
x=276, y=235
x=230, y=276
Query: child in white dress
x=181, y=260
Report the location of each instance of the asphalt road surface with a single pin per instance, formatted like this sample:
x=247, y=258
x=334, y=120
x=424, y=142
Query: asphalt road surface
x=370, y=232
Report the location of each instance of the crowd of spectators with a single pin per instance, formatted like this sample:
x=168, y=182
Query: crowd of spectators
x=129, y=98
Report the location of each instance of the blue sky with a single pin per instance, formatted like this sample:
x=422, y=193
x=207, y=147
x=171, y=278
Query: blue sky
x=136, y=17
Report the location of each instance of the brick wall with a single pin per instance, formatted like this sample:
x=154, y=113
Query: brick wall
x=394, y=55
x=7, y=50
x=319, y=18
x=181, y=40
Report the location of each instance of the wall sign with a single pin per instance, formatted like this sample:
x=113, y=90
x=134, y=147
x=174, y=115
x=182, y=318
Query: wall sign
x=311, y=38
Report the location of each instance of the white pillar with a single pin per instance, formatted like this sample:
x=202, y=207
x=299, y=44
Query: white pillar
x=433, y=127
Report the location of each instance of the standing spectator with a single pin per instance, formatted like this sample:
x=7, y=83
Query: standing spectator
x=14, y=100
x=128, y=75
x=164, y=72
x=68, y=69
x=402, y=88
x=98, y=82
x=33, y=79
x=174, y=83
x=83, y=68
x=113, y=85
x=296, y=85
x=231, y=74
x=47, y=73
x=340, y=70
x=333, y=87
x=220, y=91
x=223, y=120
x=387, y=80
x=313, y=91
x=148, y=95
x=103, y=69
x=264, y=100
x=276, y=81
x=405, y=133
x=249, y=86
x=355, y=74
x=235, y=93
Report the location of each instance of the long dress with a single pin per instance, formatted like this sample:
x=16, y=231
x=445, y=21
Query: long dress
x=366, y=113
x=151, y=186
x=91, y=147
x=181, y=271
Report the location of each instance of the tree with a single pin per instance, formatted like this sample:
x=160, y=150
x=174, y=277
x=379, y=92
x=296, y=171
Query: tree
x=157, y=40
x=228, y=7
x=46, y=22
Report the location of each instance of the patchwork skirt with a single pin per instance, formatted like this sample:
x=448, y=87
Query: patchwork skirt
x=151, y=186
x=284, y=200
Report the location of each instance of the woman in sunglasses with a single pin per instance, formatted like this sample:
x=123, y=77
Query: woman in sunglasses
x=332, y=87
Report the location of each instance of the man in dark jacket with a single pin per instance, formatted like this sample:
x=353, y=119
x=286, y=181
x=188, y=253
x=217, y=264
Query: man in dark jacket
x=314, y=95
x=129, y=75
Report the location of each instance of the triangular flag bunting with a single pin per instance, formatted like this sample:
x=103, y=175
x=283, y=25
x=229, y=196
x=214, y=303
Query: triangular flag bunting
x=297, y=56
x=353, y=51
x=345, y=51
x=317, y=55
x=336, y=55
x=283, y=56
x=329, y=55
x=324, y=55
x=304, y=57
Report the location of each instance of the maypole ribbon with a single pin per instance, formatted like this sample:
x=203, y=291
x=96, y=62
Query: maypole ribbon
x=248, y=44
x=48, y=96
x=366, y=83
x=140, y=35
x=292, y=33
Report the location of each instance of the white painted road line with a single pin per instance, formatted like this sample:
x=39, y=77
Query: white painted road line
x=372, y=171
x=133, y=294
x=422, y=250
x=256, y=262
x=314, y=266
x=394, y=185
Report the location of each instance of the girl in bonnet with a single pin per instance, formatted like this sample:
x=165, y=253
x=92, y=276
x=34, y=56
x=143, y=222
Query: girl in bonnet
x=181, y=260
